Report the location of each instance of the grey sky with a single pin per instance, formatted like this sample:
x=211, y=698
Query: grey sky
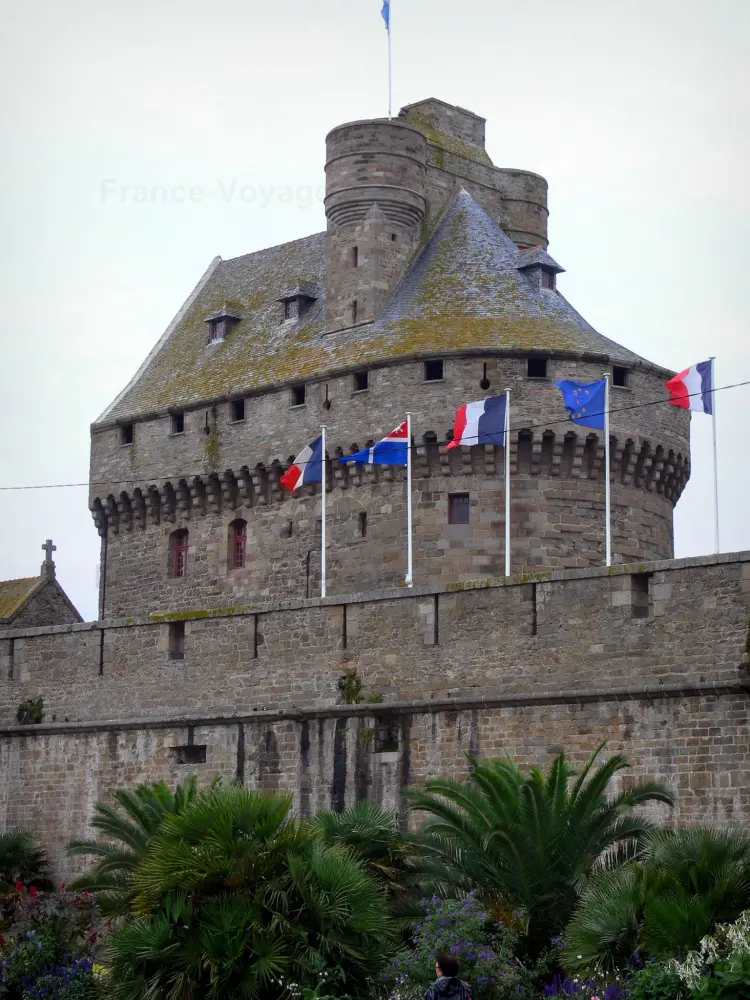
x=635, y=111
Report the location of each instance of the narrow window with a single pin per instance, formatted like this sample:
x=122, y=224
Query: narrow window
x=433, y=371
x=237, y=410
x=190, y=753
x=548, y=278
x=536, y=368
x=361, y=381
x=216, y=329
x=354, y=257
x=355, y=310
x=363, y=525
x=179, y=545
x=620, y=376
x=178, y=423
x=298, y=395
x=291, y=308
x=639, y=589
x=126, y=433
x=458, y=508
x=237, y=543
x=177, y=640
x=394, y=237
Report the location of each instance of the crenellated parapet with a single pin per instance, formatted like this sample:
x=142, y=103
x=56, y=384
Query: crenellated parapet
x=635, y=463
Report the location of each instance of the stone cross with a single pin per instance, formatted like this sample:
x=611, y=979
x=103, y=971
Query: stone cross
x=48, y=566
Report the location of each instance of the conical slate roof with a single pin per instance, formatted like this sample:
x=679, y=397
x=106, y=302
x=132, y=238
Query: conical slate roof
x=463, y=291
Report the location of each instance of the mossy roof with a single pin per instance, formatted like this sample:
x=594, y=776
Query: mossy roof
x=15, y=593
x=461, y=292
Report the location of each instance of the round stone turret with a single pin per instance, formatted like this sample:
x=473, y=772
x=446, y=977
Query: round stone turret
x=375, y=203
x=375, y=162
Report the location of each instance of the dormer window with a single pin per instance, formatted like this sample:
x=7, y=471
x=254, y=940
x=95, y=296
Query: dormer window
x=296, y=300
x=539, y=269
x=221, y=323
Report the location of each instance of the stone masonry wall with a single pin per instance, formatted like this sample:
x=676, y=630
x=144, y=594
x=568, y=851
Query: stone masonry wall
x=667, y=623
x=554, y=523
x=557, y=494
x=697, y=744
x=652, y=659
x=48, y=607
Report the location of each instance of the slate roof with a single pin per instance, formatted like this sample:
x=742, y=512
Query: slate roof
x=462, y=291
x=537, y=257
x=14, y=593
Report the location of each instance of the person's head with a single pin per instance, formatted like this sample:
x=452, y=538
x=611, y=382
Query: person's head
x=446, y=965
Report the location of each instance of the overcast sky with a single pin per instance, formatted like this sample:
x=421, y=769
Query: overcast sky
x=635, y=111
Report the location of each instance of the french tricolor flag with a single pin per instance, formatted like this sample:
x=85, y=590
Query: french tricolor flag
x=482, y=422
x=306, y=468
x=390, y=450
x=693, y=388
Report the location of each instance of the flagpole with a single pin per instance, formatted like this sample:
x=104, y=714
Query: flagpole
x=390, y=89
x=323, y=511
x=712, y=359
x=409, y=551
x=507, y=482
x=607, y=474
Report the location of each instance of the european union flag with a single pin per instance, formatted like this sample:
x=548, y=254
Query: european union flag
x=584, y=401
x=386, y=12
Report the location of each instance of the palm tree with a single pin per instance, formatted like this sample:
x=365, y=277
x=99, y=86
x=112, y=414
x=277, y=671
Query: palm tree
x=530, y=840
x=126, y=830
x=22, y=861
x=664, y=903
x=234, y=897
x=388, y=852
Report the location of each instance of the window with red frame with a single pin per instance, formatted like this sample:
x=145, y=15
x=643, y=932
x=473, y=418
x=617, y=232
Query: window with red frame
x=180, y=541
x=237, y=544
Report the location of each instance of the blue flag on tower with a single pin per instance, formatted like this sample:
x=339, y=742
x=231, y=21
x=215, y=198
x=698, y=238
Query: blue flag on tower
x=390, y=450
x=584, y=401
x=386, y=12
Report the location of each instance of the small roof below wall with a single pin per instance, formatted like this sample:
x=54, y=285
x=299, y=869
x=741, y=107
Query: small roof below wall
x=538, y=257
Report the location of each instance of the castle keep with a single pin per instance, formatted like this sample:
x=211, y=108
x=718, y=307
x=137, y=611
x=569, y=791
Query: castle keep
x=433, y=285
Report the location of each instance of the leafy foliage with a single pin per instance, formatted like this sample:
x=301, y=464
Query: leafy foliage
x=531, y=840
x=44, y=937
x=483, y=947
x=22, y=861
x=664, y=903
x=234, y=897
x=388, y=853
x=655, y=981
x=126, y=829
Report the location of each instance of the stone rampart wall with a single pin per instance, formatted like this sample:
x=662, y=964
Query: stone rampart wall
x=671, y=623
x=653, y=659
x=695, y=742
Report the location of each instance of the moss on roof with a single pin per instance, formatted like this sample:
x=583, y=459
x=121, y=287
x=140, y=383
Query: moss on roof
x=448, y=143
x=13, y=593
x=462, y=291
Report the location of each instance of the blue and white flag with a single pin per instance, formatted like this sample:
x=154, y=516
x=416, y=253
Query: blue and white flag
x=390, y=450
x=386, y=12
x=585, y=401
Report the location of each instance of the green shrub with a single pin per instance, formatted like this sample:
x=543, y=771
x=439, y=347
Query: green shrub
x=656, y=982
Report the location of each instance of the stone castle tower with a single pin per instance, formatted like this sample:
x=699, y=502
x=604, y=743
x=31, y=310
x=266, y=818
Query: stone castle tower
x=431, y=287
x=213, y=653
